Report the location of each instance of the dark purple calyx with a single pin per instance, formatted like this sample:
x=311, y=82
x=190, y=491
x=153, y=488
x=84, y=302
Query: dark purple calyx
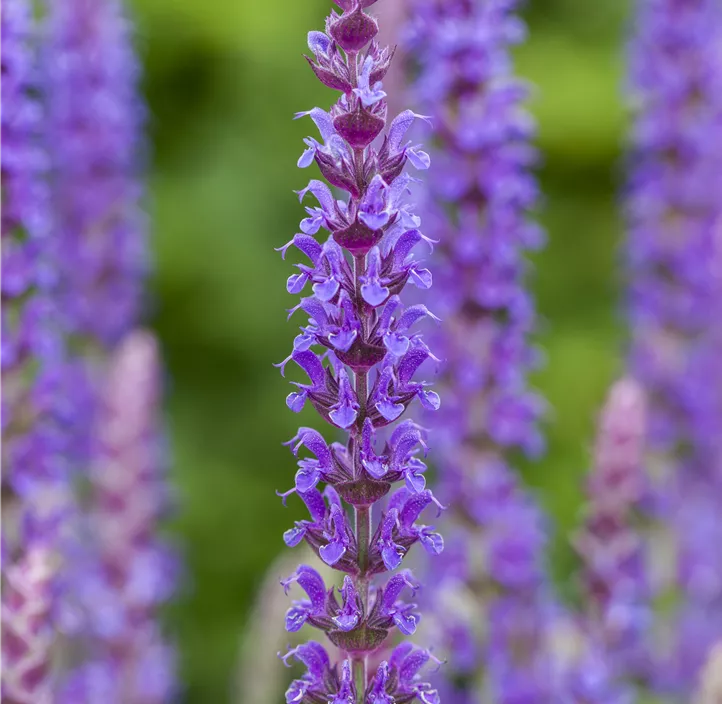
x=354, y=30
x=360, y=127
x=361, y=640
x=363, y=492
x=361, y=356
x=358, y=238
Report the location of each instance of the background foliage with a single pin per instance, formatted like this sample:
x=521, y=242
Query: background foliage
x=223, y=79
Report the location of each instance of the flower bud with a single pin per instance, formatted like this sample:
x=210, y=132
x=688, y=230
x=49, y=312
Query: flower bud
x=354, y=30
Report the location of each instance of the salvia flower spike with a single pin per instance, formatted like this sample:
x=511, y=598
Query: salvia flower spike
x=611, y=544
x=674, y=216
x=126, y=571
x=95, y=120
x=360, y=354
x=33, y=369
x=34, y=480
x=488, y=597
x=94, y=135
x=94, y=130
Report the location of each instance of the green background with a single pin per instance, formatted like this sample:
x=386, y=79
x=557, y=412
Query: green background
x=223, y=79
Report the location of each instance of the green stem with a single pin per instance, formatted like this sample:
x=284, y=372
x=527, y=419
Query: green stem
x=363, y=540
x=359, y=678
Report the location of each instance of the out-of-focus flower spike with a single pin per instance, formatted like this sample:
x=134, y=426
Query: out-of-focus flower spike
x=673, y=214
x=36, y=380
x=477, y=202
x=128, y=571
x=95, y=119
x=616, y=592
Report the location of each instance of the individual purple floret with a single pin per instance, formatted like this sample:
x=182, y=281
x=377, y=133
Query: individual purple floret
x=489, y=599
x=126, y=571
x=674, y=212
x=360, y=353
x=615, y=587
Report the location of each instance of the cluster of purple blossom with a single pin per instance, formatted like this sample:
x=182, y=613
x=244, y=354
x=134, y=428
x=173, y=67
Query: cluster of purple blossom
x=361, y=353
x=83, y=568
x=495, y=618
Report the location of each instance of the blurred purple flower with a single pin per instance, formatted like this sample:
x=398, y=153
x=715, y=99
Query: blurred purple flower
x=476, y=205
x=124, y=570
x=674, y=215
x=95, y=119
x=35, y=376
x=616, y=593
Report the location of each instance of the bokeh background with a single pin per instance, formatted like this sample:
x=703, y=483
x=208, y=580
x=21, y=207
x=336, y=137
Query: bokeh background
x=223, y=79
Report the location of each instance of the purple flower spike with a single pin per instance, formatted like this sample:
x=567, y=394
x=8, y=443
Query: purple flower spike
x=674, y=256
x=361, y=351
x=614, y=576
x=477, y=201
x=95, y=121
x=37, y=381
x=125, y=571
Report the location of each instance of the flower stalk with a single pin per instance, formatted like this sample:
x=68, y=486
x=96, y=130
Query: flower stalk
x=360, y=355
